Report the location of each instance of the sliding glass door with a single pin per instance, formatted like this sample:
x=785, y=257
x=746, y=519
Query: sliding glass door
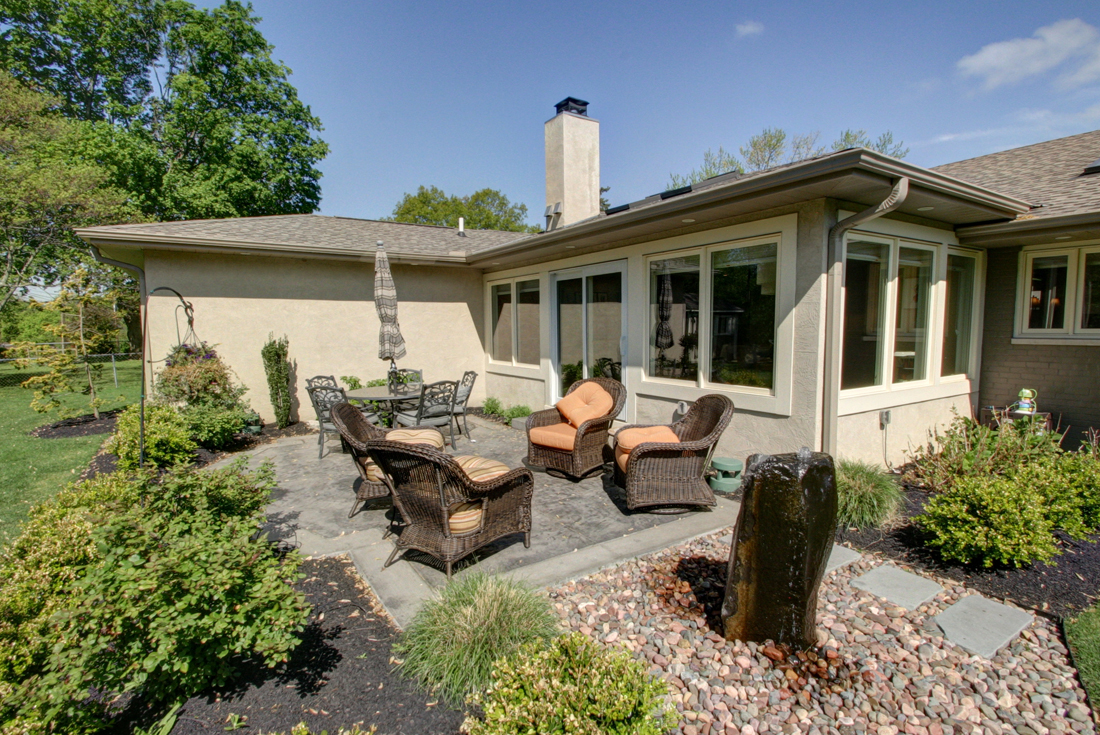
x=589, y=331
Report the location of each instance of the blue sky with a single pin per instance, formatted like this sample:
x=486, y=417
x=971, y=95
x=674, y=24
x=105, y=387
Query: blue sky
x=456, y=94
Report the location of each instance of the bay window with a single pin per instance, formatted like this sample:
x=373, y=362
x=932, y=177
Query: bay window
x=909, y=310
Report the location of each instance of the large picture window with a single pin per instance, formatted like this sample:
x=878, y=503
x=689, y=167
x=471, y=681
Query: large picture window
x=712, y=316
x=515, y=322
x=1059, y=292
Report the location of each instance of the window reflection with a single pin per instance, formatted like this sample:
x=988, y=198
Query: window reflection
x=914, y=299
x=674, y=318
x=958, y=321
x=1048, y=292
x=743, y=287
x=866, y=269
x=502, y=322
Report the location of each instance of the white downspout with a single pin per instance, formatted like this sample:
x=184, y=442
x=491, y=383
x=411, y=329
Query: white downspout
x=834, y=314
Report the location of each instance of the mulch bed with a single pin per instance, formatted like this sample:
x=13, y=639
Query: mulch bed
x=86, y=425
x=340, y=675
x=1063, y=588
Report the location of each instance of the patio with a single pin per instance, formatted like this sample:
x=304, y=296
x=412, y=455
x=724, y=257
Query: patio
x=577, y=528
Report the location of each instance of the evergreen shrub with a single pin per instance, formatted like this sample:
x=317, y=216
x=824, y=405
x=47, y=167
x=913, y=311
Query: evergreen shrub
x=277, y=368
x=168, y=439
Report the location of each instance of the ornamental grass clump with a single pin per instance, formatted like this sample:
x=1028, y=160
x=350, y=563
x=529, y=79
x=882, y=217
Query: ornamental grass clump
x=867, y=496
x=572, y=685
x=452, y=642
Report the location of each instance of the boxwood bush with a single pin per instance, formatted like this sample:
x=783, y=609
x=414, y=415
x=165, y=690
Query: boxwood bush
x=572, y=685
x=132, y=582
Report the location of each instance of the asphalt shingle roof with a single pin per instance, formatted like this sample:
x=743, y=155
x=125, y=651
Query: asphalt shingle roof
x=319, y=232
x=1048, y=174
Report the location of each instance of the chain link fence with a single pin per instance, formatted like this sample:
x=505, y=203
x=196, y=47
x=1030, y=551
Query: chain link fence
x=119, y=368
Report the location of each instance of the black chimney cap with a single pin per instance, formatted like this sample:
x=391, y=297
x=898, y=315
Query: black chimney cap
x=574, y=105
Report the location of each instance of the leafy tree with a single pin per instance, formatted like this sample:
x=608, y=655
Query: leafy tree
x=48, y=186
x=91, y=328
x=190, y=113
x=774, y=147
x=485, y=209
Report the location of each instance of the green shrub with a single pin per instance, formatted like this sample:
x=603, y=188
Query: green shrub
x=573, y=685
x=58, y=545
x=990, y=520
x=868, y=497
x=277, y=369
x=968, y=449
x=492, y=407
x=375, y=383
x=214, y=427
x=195, y=375
x=452, y=642
x=167, y=438
x=516, y=412
x=1081, y=472
x=352, y=382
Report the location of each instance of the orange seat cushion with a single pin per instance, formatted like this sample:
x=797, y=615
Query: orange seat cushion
x=465, y=517
x=480, y=469
x=627, y=439
x=589, y=401
x=557, y=436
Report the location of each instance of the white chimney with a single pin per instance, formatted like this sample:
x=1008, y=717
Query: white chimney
x=572, y=164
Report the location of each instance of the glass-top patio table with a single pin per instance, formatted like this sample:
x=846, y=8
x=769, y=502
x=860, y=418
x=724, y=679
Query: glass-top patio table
x=380, y=394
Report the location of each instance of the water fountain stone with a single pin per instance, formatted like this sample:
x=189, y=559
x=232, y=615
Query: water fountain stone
x=780, y=548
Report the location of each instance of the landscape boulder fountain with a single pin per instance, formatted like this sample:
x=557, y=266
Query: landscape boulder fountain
x=780, y=547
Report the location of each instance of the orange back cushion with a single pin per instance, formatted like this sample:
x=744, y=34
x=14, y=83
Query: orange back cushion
x=587, y=402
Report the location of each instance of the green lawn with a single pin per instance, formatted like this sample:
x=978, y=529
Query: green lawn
x=32, y=470
x=1083, y=634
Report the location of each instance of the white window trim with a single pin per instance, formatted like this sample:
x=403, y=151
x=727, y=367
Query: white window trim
x=1071, y=333
x=517, y=367
x=776, y=401
x=935, y=386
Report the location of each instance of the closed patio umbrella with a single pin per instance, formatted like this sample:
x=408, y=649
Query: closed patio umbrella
x=391, y=345
x=664, y=313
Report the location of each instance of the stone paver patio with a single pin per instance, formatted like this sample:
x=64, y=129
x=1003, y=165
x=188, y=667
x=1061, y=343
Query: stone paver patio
x=577, y=528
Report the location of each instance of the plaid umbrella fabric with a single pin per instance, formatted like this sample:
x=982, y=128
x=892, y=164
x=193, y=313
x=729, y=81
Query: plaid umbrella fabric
x=664, y=313
x=391, y=345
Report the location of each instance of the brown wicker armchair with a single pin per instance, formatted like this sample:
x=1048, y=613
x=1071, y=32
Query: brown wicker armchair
x=356, y=431
x=659, y=468
x=446, y=513
x=576, y=449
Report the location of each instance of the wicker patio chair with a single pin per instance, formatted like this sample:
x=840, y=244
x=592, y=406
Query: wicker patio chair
x=573, y=448
x=323, y=399
x=436, y=408
x=447, y=514
x=322, y=381
x=462, y=397
x=662, y=467
x=357, y=431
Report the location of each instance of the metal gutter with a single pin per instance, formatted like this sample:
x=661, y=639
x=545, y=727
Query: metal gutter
x=834, y=315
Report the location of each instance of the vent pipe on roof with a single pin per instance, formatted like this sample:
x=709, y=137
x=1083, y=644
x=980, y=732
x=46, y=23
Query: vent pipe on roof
x=462, y=227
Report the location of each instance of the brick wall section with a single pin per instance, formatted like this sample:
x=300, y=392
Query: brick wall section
x=1067, y=377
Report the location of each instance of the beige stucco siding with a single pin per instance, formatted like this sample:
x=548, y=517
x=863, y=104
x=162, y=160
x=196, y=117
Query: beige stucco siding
x=860, y=436
x=326, y=310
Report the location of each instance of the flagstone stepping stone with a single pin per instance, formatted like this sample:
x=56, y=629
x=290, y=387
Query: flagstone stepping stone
x=839, y=557
x=898, y=586
x=981, y=625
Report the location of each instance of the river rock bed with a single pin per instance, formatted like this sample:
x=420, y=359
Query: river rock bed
x=878, y=668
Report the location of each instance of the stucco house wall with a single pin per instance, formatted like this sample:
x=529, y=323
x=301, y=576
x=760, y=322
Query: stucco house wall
x=1067, y=377
x=326, y=310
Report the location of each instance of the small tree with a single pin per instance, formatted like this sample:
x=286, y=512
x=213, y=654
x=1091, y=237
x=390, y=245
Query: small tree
x=89, y=325
x=277, y=367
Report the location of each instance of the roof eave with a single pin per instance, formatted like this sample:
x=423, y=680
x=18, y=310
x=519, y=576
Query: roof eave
x=1082, y=225
x=859, y=159
x=98, y=237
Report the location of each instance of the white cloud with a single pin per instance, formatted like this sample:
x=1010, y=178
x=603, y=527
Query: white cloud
x=1009, y=62
x=749, y=28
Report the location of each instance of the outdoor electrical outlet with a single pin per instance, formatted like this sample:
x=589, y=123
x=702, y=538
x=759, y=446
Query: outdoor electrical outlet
x=883, y=419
